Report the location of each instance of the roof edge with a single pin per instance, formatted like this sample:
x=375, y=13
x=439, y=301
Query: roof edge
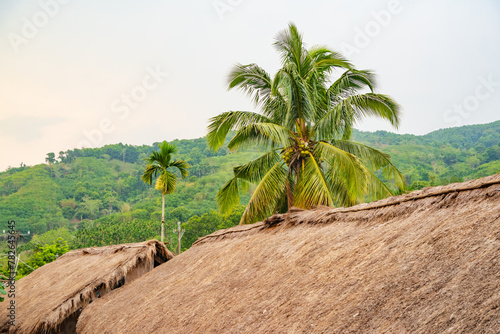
x=154, y=250
x=390, y=201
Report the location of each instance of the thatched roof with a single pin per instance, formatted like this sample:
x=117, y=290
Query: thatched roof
x=56, y=292
x=425, y=262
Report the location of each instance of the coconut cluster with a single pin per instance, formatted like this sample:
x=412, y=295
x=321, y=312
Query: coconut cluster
x=300, y=150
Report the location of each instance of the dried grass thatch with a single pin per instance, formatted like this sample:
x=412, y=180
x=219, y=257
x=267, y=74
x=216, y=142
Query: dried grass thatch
x=50, y=299
x=425, y=262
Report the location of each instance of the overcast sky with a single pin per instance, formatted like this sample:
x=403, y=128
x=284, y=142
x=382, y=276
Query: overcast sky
x=88, y=73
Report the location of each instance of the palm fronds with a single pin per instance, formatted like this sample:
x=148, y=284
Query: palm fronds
x=304, y=124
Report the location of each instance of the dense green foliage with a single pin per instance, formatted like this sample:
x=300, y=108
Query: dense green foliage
x=441, y=157
x=2, y=291
x=92, y=199
x=102, y=200
x=43, y=249
x=48, y=253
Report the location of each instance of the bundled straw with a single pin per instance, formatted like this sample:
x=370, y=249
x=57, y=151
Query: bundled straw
x=425, y=262
x=50, y=299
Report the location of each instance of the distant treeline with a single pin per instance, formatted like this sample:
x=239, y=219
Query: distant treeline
x=98, y=196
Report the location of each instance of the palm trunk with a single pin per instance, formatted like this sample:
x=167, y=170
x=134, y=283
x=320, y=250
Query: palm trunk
x=179, y=236
x=162, y=214
x=289, y=195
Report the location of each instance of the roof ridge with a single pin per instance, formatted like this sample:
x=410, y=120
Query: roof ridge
x=449, y=190
x=393, y=200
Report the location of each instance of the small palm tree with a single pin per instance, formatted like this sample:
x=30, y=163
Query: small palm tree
x=159, y=166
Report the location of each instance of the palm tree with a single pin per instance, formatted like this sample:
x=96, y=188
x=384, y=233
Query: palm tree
x=159, y=166
x=304, y=126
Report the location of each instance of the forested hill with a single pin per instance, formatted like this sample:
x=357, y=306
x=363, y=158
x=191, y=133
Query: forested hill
x=464, y=137
x=443, y=156
x=467, y=137
x=98, y=195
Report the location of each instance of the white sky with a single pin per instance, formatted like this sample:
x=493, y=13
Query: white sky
x=67, y=76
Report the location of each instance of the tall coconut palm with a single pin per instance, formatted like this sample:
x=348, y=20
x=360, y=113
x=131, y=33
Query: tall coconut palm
x=160, y=166
x=306, y=114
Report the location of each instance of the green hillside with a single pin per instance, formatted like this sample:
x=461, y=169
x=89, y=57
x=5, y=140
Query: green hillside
x=97, y=194
x=443, y=156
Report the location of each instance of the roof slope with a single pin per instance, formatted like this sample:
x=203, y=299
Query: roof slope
x=425, y=262
x=53, y=292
